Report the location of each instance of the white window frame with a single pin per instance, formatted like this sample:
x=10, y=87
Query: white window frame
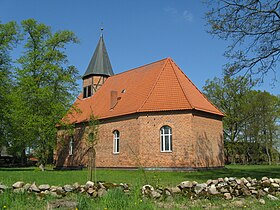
x=71, y=143
x=166, y=137
x=116, y=142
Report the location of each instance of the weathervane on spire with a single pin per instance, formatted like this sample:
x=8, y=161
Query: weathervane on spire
x=101, y=29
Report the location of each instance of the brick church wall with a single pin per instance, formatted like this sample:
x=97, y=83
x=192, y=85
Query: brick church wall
x=196, y=141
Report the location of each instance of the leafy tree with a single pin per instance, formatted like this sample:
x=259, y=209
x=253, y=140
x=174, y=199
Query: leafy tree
x=8, y=39
x=251, y=122
x=252, y=27
x=229, y=95
x=262, y=128
x=44, y=87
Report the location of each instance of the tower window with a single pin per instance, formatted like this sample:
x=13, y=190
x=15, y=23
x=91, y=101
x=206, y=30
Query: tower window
x=87, y=92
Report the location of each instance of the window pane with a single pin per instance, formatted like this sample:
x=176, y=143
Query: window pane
x=89, y=90
x=85, y=92
x=116, y=143
x=161, y=143
x=166, y=143
x=166, y=138
x=118, y=146
x=170, y=142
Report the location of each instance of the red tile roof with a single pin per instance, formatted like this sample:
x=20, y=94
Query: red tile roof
x=159, y=86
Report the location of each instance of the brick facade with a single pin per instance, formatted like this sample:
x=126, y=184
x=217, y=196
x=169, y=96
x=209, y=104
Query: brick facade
x=196, y=141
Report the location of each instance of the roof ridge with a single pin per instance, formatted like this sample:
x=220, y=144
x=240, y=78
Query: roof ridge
x=139, y=67
x=185, y=94
x=197, y=90
x=166, y=59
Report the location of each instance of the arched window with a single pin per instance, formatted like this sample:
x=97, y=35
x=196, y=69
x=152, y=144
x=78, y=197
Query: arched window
x=116, y=142
x=165, y=139
x=71, y=144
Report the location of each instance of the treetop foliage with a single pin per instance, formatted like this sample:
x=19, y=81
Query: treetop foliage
x=43, y=87
x=252, y=27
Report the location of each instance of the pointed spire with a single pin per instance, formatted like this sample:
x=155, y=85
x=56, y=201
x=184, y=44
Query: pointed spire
x=100, y=63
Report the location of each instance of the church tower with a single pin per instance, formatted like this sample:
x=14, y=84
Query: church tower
x=98, y=70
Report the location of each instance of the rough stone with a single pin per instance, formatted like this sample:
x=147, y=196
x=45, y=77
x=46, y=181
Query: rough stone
x=212, y=190
x=224, y=190
x=53, y=188
x=27, y=186
x=227, y=196
x=246, y=191
x=249, y=179
x=89, y=184
x=155, y=194
x=220, y=180
x=60, y=191
x=76, y=185
x=185, y=184
x=147, y=188
x=34, y=188
x=262, y=201
x=174, y=190
x=215, y=181
x=44, y=187
x=264, y=178
x=275, y=185
x=3, y=187
x=261, y=193
x=266, y=189
x=248, y=185
x=90, y=191
x=277, y=181
x=209, y=181
x=199, y=187
x=231, y=179
x=222, y=184
x=266, y=183
x=254, y=191
x=271, y=197
x=68, y=188
x=244, y=180
x=18, y=184
x=226, y=179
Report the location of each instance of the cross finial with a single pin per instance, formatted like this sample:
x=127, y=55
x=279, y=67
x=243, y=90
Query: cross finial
x=101, y=29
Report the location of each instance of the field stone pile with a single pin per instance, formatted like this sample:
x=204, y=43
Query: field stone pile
x=228, y=188
x=90, y=188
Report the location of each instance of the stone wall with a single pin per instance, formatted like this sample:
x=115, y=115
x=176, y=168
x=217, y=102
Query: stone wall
x=227, y=188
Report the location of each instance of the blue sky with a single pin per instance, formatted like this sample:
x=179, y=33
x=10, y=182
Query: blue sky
x=135, y=32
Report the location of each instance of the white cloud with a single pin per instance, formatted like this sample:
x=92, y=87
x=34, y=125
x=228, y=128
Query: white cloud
x=177, y=15
x=171, y=10
x=188, y=16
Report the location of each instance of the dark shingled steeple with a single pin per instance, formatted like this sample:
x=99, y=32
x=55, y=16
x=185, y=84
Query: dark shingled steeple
x=100, y=62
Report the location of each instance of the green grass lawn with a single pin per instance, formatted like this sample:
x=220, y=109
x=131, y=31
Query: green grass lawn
x=117, y=200
x=10, y=175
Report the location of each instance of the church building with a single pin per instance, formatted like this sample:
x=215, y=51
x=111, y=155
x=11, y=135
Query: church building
x=151, y=117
